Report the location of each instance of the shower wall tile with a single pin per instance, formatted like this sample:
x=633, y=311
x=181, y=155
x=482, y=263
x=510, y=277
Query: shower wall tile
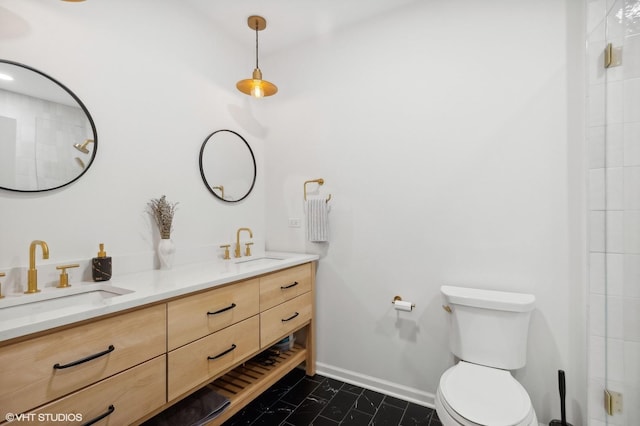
x=615, y=274
x=596, y=10
x=631, y=319
x=595, y=137
x=614, y=141
x=633, y=394
x=631, y=284
x=632, y=144
x=595, y=56
x=632, y=23
x=631, y=364
x=631, y=106
x=632, y=56
x=615, y=98
x=596, y=231
x=615, y=359
x=632, y=188
x=597, y=360
x=632, y=232
x=596, y=273
x=597, y=315
x=606, y=317
x=596, y=105
x=615, y=240
x=615, y=318
x=615, y=188
x=596, y=189
x=594, y=403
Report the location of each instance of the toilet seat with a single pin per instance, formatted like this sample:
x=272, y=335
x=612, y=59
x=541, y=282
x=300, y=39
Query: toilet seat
x=470, y=394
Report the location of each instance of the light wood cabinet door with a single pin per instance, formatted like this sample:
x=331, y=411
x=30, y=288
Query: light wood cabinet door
x=204, y=359
x=121, y=399
x=196, y=316
x=45, y=368
x=284, y=285
x=284, y=319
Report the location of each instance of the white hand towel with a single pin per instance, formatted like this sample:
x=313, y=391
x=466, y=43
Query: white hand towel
x=317, y=220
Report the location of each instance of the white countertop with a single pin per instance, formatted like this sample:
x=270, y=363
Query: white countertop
x=147, y=287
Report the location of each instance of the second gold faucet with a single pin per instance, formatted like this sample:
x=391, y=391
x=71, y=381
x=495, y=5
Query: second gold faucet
x=32, y=274
x=237, y=250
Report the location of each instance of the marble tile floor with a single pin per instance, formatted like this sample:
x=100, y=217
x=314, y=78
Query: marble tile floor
x=298, y=400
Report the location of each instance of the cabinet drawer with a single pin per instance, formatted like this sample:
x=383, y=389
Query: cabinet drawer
x=284, y=285
x=125, y=397
x=45, y=368
x=285, y=318
x=204, y=359
x=196, y=316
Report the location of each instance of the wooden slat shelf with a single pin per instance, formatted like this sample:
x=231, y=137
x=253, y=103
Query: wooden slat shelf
x=245, y=382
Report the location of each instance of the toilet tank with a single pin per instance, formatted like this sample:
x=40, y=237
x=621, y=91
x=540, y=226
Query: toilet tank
x=489, y=327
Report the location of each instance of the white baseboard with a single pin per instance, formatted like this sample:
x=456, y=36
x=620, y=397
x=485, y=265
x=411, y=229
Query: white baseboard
x=379, y=385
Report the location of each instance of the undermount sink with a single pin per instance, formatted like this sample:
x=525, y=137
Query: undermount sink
x=259, y=261
x=52, y=299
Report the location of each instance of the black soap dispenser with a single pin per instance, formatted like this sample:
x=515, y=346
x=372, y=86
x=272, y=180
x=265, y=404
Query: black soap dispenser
x=101, y=266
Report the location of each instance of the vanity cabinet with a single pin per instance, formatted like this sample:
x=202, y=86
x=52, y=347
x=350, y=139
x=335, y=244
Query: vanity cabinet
x=249, y=318
x=127, y=367
x=39, y=370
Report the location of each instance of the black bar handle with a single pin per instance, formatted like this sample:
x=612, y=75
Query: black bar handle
x=284, y=287
x=83, y=360
x=563, y=392
x=110, y=410
x=231, y=306
x=233, y=346
x=291, y=317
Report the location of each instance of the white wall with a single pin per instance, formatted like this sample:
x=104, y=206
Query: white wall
x=157, y=79
x=449, y=135
x=446, y=133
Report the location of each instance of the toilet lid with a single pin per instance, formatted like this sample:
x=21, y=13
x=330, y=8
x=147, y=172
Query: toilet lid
x=485, y=395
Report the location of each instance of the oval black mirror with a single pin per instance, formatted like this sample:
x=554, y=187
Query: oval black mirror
x=47, y=136
x=227, y=165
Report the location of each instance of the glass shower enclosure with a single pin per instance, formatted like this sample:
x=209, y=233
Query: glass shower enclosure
x=613, y=132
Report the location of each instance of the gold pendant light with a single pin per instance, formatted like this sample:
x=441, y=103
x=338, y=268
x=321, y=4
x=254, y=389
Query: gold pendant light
x=256, y=86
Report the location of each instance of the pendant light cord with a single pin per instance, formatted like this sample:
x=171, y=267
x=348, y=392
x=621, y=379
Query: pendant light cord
x=257, y=45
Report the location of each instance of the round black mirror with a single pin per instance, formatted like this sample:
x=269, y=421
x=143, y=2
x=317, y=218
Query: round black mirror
x=47, y=136
x=227, y=165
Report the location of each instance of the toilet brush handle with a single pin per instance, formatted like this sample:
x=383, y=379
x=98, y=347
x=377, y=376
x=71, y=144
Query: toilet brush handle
x=563, y=392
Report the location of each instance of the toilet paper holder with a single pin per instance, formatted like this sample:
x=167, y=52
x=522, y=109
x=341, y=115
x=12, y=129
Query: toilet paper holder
x=401, y=305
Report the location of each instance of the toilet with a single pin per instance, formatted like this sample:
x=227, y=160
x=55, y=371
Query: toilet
x=488, y=335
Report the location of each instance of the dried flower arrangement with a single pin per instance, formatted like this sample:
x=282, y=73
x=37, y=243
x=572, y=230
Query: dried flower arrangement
x=163, y=211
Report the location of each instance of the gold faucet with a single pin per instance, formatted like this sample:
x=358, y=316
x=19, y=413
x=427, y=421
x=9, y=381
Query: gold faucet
x=237, y=251
x=32, y=275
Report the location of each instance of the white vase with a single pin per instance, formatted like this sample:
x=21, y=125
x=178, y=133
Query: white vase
x=166, y=250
